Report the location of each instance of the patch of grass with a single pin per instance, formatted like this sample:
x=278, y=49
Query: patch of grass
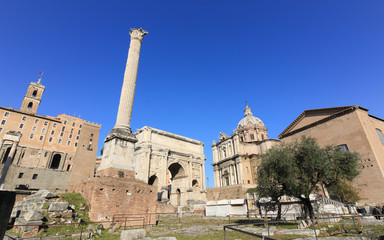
x=79, y=202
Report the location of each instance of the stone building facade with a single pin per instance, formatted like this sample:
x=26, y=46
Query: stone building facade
x=235, y=157
x=173, y=163
x=44, y=152
x=352, y=128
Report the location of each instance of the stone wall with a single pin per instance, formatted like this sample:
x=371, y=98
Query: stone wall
x=36, y=178
x=228, y=192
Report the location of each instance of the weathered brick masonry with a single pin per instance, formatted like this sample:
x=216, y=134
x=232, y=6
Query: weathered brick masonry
x=113, y=194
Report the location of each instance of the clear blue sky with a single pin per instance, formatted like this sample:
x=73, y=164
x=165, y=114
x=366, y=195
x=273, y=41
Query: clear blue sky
x=199, y=63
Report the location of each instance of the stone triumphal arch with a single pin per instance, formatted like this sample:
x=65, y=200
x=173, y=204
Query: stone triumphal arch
x=173, y=163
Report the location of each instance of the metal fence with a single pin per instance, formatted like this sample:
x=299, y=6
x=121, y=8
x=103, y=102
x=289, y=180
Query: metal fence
x=120, y=220
x=351, y=224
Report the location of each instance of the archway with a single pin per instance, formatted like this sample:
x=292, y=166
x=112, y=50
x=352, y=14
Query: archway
x=177, y=184
x=178, y=193
x=55, y=161
x=6, y=155
x=226, y=178
x=30, y=105
x=195, y=184
x=176, y=170
x=152, y=180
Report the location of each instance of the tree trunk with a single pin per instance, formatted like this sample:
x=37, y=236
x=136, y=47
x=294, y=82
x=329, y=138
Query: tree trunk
x=308, y=208
x=278, y=217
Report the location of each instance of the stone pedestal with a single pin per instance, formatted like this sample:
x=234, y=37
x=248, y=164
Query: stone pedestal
x=118, y=151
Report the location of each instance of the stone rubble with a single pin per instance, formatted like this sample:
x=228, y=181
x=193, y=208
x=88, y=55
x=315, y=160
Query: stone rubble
x=30, y=212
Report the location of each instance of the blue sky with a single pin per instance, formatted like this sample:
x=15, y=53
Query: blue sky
x=199, y=63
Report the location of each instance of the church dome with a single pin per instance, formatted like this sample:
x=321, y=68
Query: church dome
x=249, y=118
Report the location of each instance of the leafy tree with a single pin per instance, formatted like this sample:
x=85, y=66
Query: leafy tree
x=344, y=192
x=270, y=178
x=298, y=169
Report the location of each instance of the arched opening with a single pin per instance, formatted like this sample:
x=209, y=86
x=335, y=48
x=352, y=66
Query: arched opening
x=176, y=170
x=178, y=192
x=34, y=93
x=30, y=105
x=195, y=184
x=6, y=155
x=55, y=161
x=152, y=180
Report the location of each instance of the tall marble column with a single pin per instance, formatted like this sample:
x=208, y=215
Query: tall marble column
x=124, y=114
x=119, y=145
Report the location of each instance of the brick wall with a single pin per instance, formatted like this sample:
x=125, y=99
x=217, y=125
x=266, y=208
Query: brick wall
x=110, y=197
x=228, y=192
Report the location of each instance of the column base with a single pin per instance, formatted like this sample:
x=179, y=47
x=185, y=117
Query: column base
x=119, y=149
x=121, y=133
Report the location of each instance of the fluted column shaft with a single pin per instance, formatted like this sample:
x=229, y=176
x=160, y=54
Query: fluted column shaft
x=124, y=113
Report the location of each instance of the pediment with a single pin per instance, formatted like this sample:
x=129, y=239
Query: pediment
x=313, y=116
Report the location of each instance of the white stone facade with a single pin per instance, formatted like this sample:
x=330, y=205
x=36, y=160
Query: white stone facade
x=235, y=157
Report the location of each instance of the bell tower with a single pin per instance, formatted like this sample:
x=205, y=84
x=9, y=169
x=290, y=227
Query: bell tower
x=32, y=99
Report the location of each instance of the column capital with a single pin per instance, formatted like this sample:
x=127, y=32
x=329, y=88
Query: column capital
x=138, y=34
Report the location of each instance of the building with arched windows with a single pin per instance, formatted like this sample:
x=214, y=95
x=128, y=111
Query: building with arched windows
x=44, y=152
x=235, y=157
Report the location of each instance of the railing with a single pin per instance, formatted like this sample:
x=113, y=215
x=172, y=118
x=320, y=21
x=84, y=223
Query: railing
x=317, y=224
x=121, y=219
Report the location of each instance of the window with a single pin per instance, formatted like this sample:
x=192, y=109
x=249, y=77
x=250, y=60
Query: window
x=30, y=104
x=68, y=143
x=34, y=93
x=24, y=118
x=343, y=147
x=65, y=122
x=91, y=134
x=252, y=137
x=59, y=142
x=20, y=175
x=54, y=125
x=34, y=176
x=75, y=144
x=380, y=133
x=45, y=123
x=34, y=129
x=31, y=136
x=6, y=114
x=72, y=130
x=70, y=135
x=1, y=129
x=3, y=122
x=61, y=134
x=80, y=126
x=52, y=132
x=78, y=132
x=73, y=124
x=21, y=125
x=50, y=139
x=77, y=137
x=68, y=167
x=41, y=138
x=45, y=154
x=63, y=129
x=36, y=121
x=43, y=130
